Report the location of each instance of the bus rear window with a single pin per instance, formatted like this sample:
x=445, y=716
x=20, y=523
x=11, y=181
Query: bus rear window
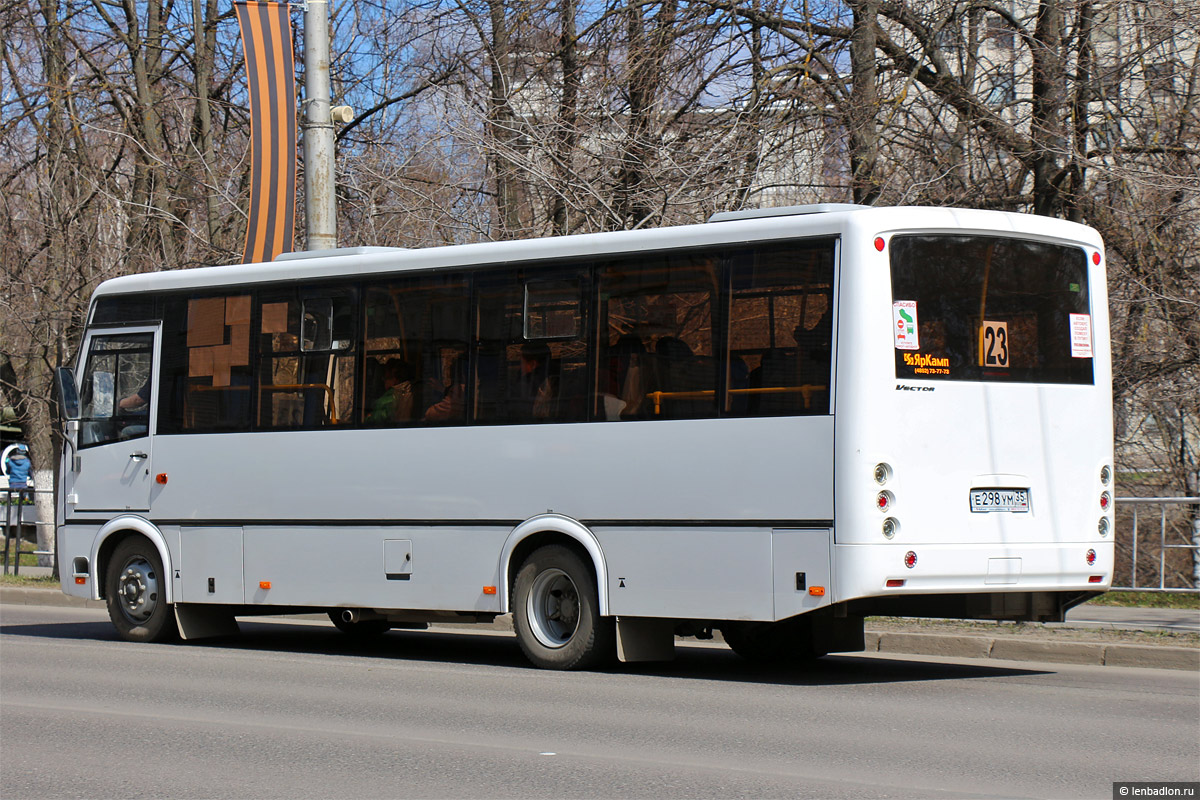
x=984, y=308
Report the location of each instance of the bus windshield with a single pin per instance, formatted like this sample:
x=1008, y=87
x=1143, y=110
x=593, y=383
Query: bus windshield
x=986, y=308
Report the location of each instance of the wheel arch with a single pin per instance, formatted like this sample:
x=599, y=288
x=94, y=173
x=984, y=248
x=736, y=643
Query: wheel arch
x=546, y=529
x=112, y=534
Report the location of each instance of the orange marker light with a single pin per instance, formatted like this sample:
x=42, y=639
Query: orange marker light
x=489, y=590
x=816, y=591
x=161, y=478
x=264, y=584
x=80, y=580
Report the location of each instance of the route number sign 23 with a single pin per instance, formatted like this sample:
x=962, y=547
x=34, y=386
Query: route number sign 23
x=993, y=344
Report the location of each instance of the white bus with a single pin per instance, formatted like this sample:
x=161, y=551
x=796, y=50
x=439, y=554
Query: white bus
x=770, y=425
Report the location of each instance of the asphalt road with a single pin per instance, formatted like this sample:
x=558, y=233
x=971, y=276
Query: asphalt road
x=294, y=709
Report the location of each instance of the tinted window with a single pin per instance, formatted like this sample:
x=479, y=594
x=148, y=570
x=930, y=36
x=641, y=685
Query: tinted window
x=780, y=331
x=531, y=347
x=415, y=341
x=657, y=346
x=306, y=369
x=124, y=309
x=206, y=373
x=990, y=309
x=722, y=332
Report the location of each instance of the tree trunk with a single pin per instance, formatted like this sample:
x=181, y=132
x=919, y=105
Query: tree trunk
x=205, y=49
x=567, y=133
x=648, y=47
x=864, y=103
x=1049, y=103
x=502, y=123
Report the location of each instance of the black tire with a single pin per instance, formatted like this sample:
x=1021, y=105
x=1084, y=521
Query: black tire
x=363, y=629
x=786, y=642
x=136, y=593
x=556, y=612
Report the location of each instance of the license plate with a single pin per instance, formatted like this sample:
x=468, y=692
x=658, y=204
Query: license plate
x=984, y=501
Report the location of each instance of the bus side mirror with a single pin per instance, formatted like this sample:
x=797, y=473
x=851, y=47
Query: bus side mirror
x=68, y=395
x=68, y=410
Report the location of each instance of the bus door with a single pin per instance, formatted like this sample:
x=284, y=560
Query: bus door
x=117, y=410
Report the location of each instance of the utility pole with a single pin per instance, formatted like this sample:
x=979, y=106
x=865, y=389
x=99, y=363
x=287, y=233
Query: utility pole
x=320, y=202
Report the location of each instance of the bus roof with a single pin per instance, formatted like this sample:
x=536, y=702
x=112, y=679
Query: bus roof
x=767, y=224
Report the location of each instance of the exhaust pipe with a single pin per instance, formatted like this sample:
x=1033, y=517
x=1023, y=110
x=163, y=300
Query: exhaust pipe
x=351, y=615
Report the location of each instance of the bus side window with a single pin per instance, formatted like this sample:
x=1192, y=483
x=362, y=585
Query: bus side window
x=416, y=329
x=531, y=351
x=206, y=373
x=656, y=341
x=115, y=392
x=306, y=367
x=780, y=331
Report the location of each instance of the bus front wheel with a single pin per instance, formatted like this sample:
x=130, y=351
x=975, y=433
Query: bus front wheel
x=556, y=612
x=136, y=593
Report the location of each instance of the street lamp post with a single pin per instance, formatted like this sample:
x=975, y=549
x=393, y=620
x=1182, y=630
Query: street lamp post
x=320, y=203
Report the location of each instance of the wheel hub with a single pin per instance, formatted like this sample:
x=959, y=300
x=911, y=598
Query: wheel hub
x=553, y=608
x=138, y=590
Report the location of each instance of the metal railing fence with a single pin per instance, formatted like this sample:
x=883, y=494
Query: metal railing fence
x=1156, y=558
x=14, y=515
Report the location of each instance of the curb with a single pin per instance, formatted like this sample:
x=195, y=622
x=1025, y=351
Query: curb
x=1098, y=654
x=19, y=596
x=895, y=643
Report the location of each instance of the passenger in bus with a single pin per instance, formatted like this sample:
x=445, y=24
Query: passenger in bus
x=136, y=400
x=627, y=366
x=536, y=390
x=136, y=408
x=452, y=406
x=396, y=402
x=680, y=373
x=816, y=346
x=815, y=360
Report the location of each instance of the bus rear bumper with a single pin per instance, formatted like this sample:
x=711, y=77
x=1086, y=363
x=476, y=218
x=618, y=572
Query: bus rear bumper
x=919, y=569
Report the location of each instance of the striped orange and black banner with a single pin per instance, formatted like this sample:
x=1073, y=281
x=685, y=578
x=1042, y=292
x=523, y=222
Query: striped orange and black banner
x=271, y=75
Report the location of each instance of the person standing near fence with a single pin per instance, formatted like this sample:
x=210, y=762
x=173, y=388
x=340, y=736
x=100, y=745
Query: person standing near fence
x=18, y=466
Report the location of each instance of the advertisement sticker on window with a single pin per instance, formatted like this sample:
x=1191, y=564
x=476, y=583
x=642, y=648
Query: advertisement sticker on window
x=1081, y=335
x=904, y=324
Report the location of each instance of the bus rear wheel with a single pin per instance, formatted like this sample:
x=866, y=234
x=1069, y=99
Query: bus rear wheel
x=787, y=642
x=135, y=592
x=556, y=612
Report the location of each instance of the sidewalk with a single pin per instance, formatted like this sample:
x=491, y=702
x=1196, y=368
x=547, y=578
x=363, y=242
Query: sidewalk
x=1175, y=620
x=1097, y=635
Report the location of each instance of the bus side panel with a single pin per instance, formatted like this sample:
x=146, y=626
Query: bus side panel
x=692, y=573
x=802, y=566
x=365, y=567
x=75, y=541
x=773, y=469
x=210, y=565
